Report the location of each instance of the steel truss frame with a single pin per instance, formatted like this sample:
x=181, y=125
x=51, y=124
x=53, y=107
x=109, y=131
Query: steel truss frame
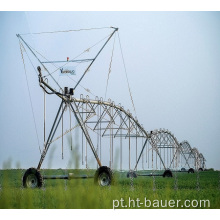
x=113, y=121
x=202, y=161
x=193, y=156
x=187, y=151
x=164, y=142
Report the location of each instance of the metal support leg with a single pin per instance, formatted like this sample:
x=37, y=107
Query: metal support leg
x=173, y=160
x=140, y=154
x=52, y=132
x=82, y=125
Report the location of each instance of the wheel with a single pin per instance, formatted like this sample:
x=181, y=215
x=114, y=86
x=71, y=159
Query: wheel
x=200, y=169
x=131, y=174
x=167, y=173
x=103, y=176
x=191, y=170
x=183, y=169
x=32, y=178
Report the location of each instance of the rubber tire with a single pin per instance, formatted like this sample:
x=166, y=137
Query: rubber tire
x=191, y=170
x=200, y=169
x=103, y=170
x=35, y=174
x=183, y=169
x=131, y=174
x=167, y=173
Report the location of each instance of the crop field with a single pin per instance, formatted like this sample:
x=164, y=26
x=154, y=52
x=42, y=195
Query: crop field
x=82, y=193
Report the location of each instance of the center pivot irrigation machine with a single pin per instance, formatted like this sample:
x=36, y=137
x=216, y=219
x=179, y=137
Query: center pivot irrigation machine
x=102, y=123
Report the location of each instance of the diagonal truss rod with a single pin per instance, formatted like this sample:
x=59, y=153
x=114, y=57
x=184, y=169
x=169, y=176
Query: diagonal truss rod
x=83, y=127
x=140, y=154
x=115, y=29
x=52, y=133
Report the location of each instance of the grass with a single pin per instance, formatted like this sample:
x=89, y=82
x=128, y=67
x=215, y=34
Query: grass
x=82, y=193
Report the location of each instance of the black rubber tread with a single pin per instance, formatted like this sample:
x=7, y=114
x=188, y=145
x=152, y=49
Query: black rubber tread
x=200, y=169
x=106, y=170
x=191, y=170
x=34, y=171
x=131, y=174
x=167, y=173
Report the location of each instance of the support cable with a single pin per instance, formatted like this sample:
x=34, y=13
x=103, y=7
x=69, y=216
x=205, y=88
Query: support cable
x=82, y=138
x=30, y=97
x=100, y=138
x=97, y=149
x=142, y=156
x=110, y=143
x=86, y=142
x=129, y=147
x=148, y=156
x=54, y=32
x=110, y=66
x=136, y=147
x=120, y=145
x=112, y=137
x=127, y=76
x=71, y=141
x=176, y=181
x=44, y=116
x=62, y=129
x=154, y=184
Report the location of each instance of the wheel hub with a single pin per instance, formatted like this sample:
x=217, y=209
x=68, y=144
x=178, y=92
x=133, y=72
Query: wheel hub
x=32, y=181
x=104, y=179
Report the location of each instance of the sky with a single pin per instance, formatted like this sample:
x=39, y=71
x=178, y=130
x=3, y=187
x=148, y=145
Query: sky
x=172, y=62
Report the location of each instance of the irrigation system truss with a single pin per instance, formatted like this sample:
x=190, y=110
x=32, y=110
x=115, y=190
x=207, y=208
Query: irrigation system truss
x=194, y=159
x=106, y=126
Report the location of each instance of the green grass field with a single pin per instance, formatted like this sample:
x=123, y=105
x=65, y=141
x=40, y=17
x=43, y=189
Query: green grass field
x=82, y=193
